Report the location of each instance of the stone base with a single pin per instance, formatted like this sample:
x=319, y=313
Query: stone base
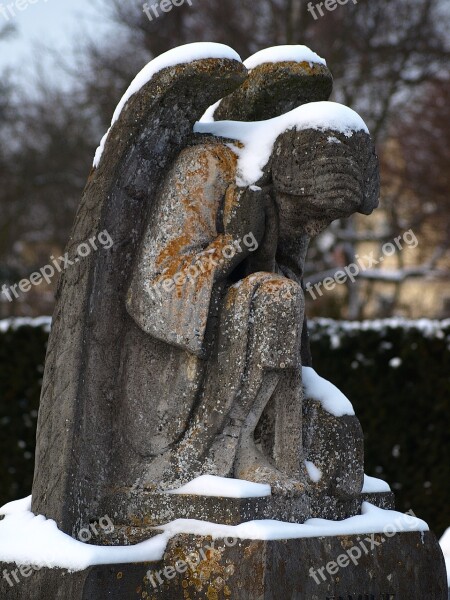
x=407, y=566
x=150, y=510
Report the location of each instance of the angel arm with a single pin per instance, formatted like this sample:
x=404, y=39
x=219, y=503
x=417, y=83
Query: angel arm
x=182, y=258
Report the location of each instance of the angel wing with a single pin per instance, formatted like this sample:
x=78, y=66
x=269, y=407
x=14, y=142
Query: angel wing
x=151, y=126
x=280, y=79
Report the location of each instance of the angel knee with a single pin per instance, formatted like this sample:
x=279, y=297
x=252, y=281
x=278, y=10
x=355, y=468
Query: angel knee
x=281, y=290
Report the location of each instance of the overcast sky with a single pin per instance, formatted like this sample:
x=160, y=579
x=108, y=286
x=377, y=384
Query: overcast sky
x=54, y=23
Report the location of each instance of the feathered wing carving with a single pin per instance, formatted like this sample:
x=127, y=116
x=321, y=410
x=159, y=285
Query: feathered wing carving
x=88, y=341
x=273, y=89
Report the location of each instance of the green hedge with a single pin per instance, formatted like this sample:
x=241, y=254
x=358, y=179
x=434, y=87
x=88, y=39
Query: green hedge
x=22, y=355
x=396, y=373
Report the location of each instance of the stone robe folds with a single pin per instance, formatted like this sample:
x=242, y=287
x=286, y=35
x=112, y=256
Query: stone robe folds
x=227, y=342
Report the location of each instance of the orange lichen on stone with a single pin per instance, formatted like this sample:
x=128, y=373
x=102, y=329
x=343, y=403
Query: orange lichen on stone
x=173, y=248
x=231, y=297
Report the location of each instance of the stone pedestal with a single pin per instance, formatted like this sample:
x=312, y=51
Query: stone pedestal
x=144, y=510
x=407, y=566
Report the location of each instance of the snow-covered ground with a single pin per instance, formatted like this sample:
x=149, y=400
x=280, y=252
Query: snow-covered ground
x=27, y=539
x=430, y=328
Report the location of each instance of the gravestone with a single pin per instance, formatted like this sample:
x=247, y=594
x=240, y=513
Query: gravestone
x=182, y=350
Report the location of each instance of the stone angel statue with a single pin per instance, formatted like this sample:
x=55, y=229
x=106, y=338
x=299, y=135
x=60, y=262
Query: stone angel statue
x=180, y=351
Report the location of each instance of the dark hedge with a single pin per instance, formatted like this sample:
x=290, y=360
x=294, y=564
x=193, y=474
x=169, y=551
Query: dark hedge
x=397, y=374
x=22, y=355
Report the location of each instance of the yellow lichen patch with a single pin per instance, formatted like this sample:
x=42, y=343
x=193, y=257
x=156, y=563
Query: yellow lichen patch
x=231, y=297
x=206, y=572
x=347, y=542
x=212, y=594
x=298, y=69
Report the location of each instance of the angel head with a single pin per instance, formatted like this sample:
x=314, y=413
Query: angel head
x=320, y=176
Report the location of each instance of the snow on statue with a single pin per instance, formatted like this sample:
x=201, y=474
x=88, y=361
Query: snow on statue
x=179, y=392
x=179, y=352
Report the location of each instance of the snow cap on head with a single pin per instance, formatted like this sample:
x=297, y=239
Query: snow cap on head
x=334, y=151
x=259, y=138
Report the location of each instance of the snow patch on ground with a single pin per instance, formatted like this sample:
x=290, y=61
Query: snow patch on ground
x=291, y=53
x=331, y=398
x=223, y=487
x=259, y=138
x=183, y=54
x=26, y=539
x=372, y=485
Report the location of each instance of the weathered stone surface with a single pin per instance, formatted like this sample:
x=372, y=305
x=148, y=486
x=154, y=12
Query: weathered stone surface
x=156, y=375
x=223, y=342
x=273, y=89
x=144, y=509
x=92, y=336
x=408, y=566
x=335, y=445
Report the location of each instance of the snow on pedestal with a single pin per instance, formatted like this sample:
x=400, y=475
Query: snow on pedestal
x=332, y=399
x=223, y=487
x=445, y=546
x=372, y=485
x=27, y=539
